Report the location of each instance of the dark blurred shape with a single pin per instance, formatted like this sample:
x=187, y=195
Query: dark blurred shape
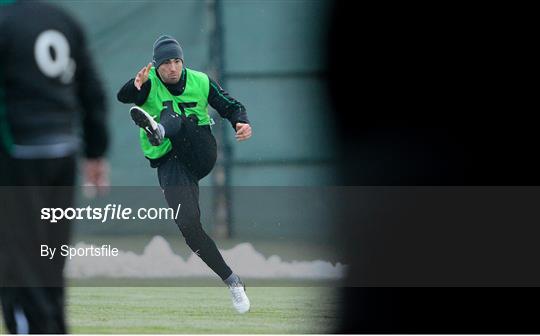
x=433, y=96
x=47, y=85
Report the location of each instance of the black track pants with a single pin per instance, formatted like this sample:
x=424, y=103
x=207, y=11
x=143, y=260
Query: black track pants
x=193, y=157
x=31, y=287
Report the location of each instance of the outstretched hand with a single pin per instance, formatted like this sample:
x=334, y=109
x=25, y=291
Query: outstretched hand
x=142, y=76
x=243, y=131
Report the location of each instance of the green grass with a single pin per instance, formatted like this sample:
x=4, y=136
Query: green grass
x=184, y=306
x=194, y=310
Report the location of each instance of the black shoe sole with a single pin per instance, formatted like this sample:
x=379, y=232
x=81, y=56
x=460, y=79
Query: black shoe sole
x=142, y=121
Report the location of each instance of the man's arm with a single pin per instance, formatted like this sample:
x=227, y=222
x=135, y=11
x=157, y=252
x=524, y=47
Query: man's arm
x=227, y=107
x=129, y=94
x=93, y=103
x=137, y=89
x=94, y=114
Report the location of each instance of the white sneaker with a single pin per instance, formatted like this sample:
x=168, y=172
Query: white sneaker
x=148, y=124
x=239, y=298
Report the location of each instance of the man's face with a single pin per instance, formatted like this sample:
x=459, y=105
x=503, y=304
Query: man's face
x=170, y=70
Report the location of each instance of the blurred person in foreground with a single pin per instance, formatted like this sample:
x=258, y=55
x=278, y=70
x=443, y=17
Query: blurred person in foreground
x=47, y=85
x=175, y=136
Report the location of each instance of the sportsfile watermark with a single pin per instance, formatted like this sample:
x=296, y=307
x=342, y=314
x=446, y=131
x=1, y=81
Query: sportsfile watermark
x=109, y=212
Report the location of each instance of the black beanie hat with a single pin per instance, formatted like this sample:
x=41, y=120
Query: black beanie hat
x=166, y=47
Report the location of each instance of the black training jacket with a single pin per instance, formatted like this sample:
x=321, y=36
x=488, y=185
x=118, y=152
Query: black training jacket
x=48, y=84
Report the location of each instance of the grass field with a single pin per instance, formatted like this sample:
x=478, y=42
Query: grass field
x=196, y=310
x=184, y=306
x=199, y=310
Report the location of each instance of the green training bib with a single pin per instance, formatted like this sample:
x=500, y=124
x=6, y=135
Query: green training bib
x=193, y=101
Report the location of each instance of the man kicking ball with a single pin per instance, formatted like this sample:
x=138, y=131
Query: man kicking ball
x=172, y=112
